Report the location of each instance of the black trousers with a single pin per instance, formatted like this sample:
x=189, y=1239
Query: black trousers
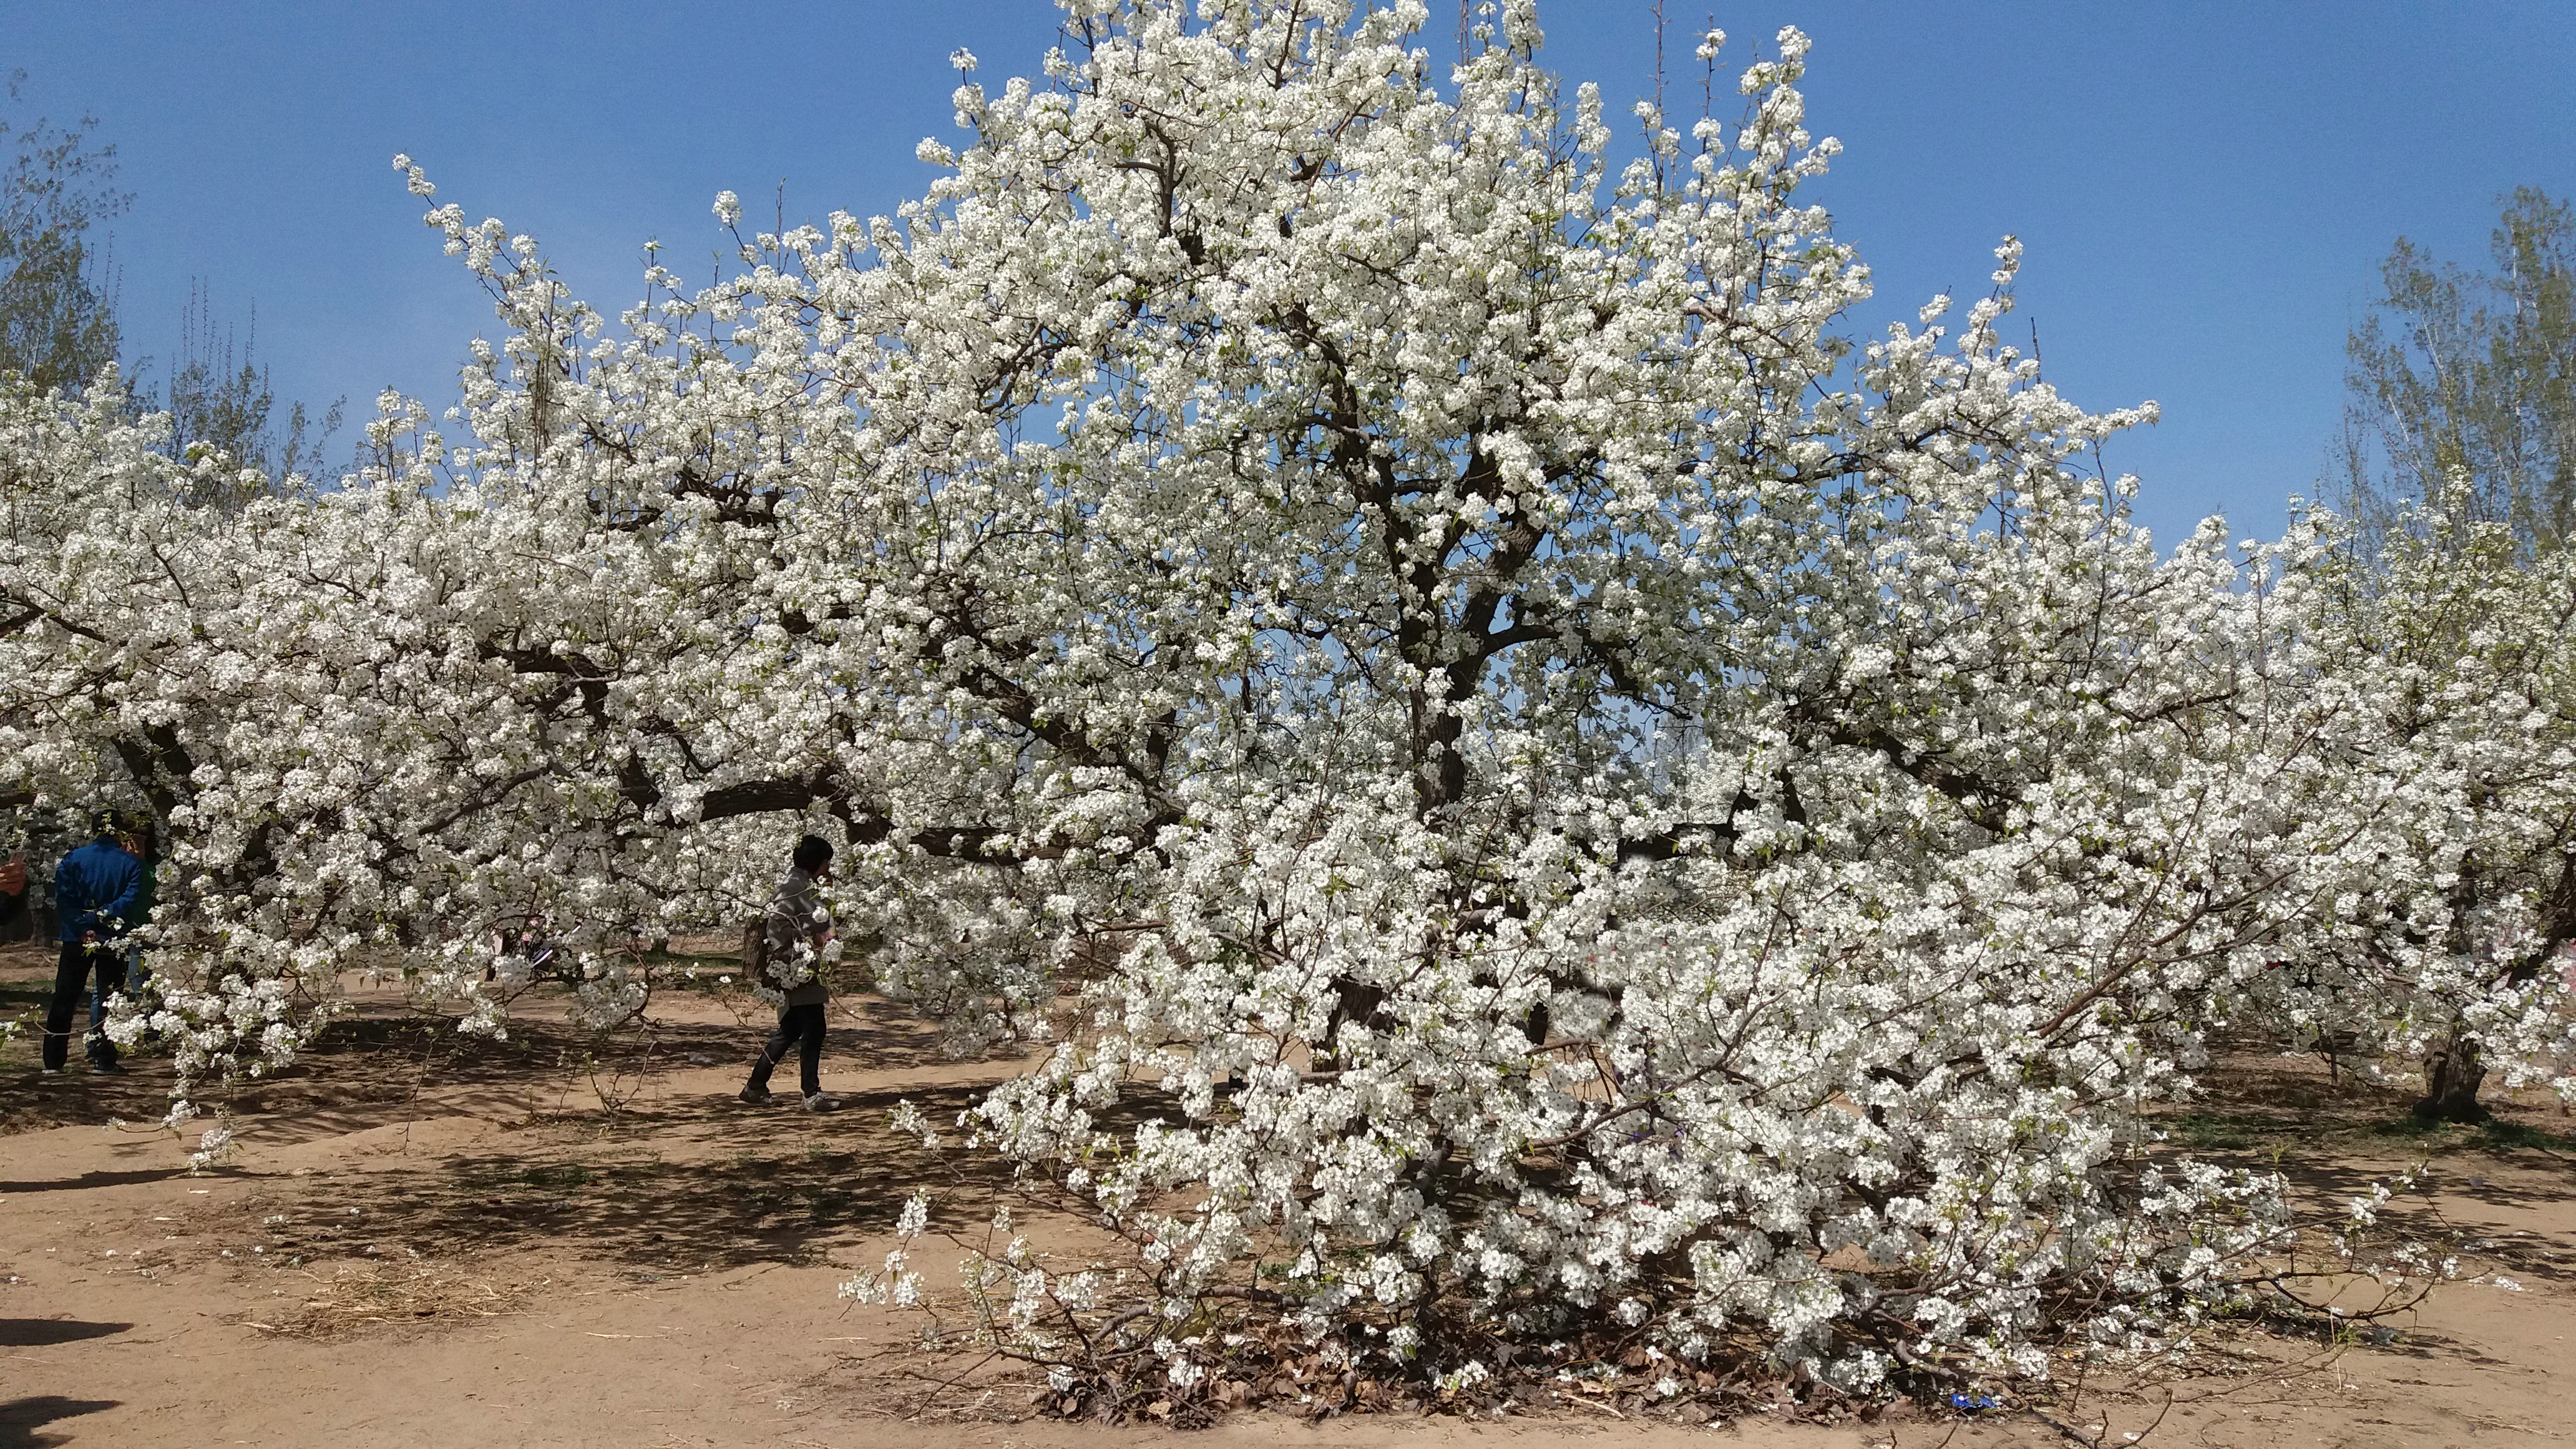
x=802, y=1028
x=71, y=986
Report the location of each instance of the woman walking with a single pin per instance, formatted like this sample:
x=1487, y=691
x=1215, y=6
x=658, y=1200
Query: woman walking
x=794, y=933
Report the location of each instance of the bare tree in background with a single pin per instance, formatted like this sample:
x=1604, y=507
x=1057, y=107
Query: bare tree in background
x=2463, y=384
x=221, y=400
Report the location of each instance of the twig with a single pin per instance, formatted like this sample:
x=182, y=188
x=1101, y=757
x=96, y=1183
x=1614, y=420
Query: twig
x=951, y=1382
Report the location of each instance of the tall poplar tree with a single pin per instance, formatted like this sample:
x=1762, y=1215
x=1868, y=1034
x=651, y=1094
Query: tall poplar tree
x=57, y=311
x=2463, y=384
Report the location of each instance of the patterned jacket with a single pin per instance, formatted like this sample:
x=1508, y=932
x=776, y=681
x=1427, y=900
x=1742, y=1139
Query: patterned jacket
x=791, y=939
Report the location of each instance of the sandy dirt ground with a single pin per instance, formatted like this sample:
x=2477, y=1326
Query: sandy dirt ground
x=431, y=1240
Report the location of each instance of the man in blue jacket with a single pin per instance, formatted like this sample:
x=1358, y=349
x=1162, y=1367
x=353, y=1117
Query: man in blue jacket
x=138, y=841
x=96, y=889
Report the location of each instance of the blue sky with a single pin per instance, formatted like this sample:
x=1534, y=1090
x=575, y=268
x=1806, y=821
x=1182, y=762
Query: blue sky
x=2205, y=190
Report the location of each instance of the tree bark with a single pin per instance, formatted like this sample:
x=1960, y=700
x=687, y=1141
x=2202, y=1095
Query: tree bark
x=2452, y=1073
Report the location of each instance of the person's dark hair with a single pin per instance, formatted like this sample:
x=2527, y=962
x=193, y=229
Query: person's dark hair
x=813, y=853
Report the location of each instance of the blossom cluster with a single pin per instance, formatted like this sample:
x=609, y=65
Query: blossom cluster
x=1582, y=793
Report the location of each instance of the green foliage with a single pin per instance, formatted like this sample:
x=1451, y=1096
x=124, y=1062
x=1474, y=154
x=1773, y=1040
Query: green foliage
x=2463, y=384
x=59, y=328
x=57, y=315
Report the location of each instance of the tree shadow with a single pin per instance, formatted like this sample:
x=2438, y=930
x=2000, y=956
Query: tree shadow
x=374, y=1071
x=371, y=1068
x=83, y=1098
x=46, y=1332
x=23, y=1420
x=396, y=1051
x=94, y=1178
x=360, y=1073
x=757, y=1185
x=884, y=1036
x=2255, y=1096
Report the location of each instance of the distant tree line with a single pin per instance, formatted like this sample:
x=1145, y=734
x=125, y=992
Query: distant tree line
x=2463, y=385
x=59, y=322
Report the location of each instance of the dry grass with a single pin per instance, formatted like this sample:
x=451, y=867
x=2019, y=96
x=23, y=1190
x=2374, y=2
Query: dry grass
x=363, y=1296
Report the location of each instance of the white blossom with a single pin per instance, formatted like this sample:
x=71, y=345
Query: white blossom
x=1573, y=783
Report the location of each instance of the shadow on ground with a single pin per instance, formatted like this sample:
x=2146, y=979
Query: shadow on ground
x=2256, y=1098
x=46, y=1332
x=2332, y=1134
x=22, y=1421
x=373, y=1069
x=680, y=1188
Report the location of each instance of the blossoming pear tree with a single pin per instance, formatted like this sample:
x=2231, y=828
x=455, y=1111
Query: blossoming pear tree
x=1586, y=801
x=2455, y=663
x=1741, y=825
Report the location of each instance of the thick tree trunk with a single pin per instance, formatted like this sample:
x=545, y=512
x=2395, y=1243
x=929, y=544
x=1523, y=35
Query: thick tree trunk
x=2452, y=1073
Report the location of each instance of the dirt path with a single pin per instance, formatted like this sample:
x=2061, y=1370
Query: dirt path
x=429, y=1240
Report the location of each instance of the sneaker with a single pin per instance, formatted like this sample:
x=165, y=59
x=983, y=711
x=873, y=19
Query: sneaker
x=822, y=1102
x=110, y=1068
x=754, y=1097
